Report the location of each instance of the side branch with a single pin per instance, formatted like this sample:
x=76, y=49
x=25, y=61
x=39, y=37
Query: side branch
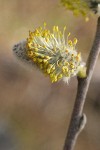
x=78, y=120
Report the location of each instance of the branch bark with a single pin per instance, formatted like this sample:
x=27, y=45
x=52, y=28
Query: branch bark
x=78, y=120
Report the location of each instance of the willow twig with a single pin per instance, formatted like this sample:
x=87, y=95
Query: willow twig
x=78, y=120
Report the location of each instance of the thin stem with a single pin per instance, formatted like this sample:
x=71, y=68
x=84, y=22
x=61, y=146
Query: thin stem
x=77, y=120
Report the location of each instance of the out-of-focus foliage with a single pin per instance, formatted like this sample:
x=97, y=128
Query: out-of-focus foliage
x=76, y=6
x=86, y=8
x=82, y=7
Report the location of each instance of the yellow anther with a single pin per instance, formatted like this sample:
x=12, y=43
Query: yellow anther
x=60, y=76
x=64, y=69
x=66, y=63
x=45, y=60
x=79, y=54
x=36, y=49
x=54, y=78
x=45, y=24
x=71, y=71
x=45, y=63
x=78, y=57
x=34, y=59
x=39, y=60
x=50, y=66
x=34, y=44
x=70, y=43
x=44, y=46
x=54, y=49
x=64, y=28
x=45, y=66
x=48, y=70
x=56, y=28
x=72, y=66
x=67, y=51
x=67, y=74
x=51, y=75
x=30, y=54
x=75, y=41
x=40, y=28
x=52, y=69
x=36, y=54
x=73, y=55
x=48, y=57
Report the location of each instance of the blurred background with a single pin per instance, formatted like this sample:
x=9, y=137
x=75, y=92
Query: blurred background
x=34, y=113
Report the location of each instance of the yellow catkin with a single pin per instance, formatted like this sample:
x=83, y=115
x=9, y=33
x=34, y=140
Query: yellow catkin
x=49, y=51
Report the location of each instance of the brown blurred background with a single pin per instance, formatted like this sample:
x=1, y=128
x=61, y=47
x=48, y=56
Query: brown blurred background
x=34, y=114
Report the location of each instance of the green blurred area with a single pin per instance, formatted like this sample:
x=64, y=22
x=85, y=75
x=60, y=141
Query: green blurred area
x=36, y=111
